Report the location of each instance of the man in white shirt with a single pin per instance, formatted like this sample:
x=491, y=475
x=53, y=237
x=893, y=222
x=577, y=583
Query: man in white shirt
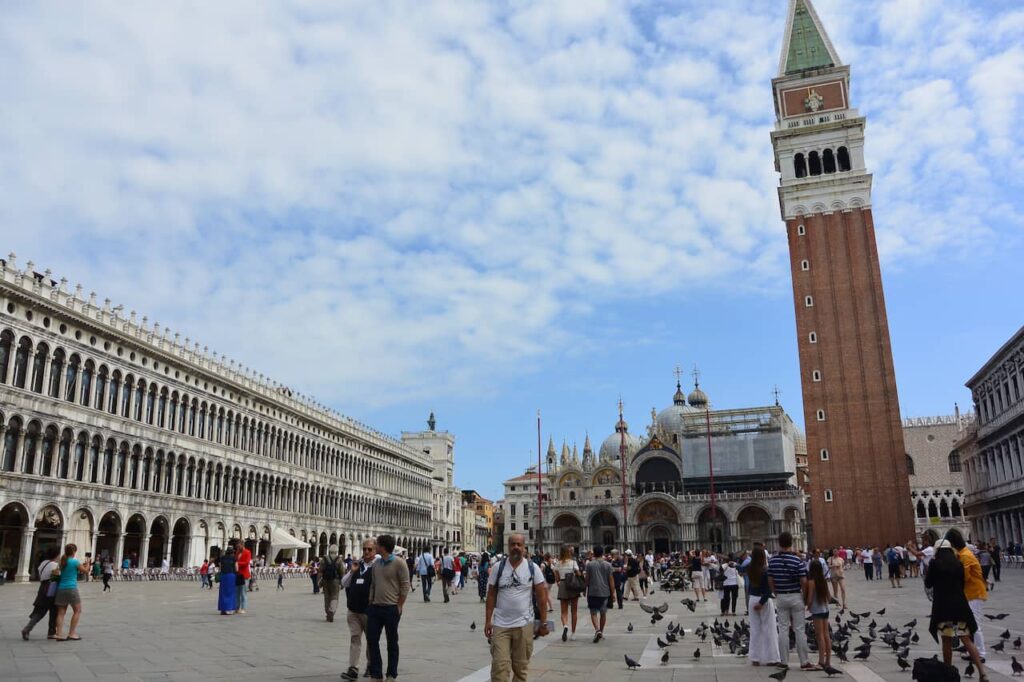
x=425, y=569
x=513, y=587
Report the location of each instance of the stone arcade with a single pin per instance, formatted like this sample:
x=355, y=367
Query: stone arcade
x=123, y=439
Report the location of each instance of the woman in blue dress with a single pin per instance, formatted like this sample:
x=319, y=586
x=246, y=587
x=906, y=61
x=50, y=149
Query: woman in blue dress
x=483, y=570
x=226, y=595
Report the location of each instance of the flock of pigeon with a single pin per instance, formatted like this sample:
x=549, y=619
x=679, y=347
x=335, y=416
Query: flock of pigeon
x=736, y=638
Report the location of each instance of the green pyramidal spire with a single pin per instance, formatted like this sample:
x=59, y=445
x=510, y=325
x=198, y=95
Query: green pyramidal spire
x=807, y=45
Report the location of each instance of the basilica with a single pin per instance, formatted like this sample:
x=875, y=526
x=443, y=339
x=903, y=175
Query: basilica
x=698, y=477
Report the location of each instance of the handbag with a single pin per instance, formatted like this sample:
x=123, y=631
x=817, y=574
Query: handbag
x=575, y=584
x=51, y=589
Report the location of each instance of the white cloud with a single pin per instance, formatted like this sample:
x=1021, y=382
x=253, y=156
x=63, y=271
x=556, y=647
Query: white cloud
x=432, y=192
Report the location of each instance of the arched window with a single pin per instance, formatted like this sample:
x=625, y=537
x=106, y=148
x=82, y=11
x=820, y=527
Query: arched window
x=6, y=343
x=11, y=444
x=843, y=156
x=921, y=511
x=954, y=462
x=126, y=396
x=21, y=361
x=115, y=385
x=56, y=372
x=108, y=463
x=80, y=456
x=150, y=402
x=140, y=398
x=800, y=166
x=28, y=461
x=71, y=382
x=910, y=465
x=161, y=410
x=572, y=494
x=49, y=447
x=955, y=508
x=933, y=510
x=944, y=509
x=94, y=459
x=101, y=388
x=39, y=367
x=172, y=412
x=814, y=163
x=87, y=373
x=828, y=160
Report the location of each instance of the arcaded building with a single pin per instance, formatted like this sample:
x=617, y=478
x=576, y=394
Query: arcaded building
x=937, y=488
x=131, y=442
x=858, y=481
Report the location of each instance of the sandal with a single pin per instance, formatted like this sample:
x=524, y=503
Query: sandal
x=60, y=639
x=74, y=639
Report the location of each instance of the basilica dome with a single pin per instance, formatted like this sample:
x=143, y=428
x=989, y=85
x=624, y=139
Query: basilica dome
x=610, y=447
x=670, y=420
x=698, y=399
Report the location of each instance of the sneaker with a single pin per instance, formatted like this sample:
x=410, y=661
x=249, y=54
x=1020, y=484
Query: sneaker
x=351, y=674
x=572, y=637
x=597, y=637
x=366, y=673
x=565, y=634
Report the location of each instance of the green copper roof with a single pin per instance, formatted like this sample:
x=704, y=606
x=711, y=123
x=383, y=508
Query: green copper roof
x=806, y=46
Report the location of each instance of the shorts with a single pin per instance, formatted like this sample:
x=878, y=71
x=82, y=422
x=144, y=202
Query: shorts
x=948, y=628
x=597, y=604
x=698, y=581
x=68, y=597
x=820, y=616
x=894, y=570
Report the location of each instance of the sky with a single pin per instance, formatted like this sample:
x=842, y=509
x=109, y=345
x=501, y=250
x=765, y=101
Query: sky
x=489, y=209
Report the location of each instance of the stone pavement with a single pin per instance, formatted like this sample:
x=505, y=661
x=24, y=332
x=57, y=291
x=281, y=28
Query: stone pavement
x=172, y=631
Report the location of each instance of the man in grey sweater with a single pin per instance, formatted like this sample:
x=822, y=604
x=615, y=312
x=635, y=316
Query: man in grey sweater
x=388, y=592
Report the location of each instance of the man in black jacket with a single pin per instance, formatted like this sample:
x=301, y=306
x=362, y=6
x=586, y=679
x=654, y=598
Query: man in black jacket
x=356, y=583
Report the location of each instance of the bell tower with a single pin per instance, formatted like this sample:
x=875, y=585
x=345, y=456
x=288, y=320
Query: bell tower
x=859, y=488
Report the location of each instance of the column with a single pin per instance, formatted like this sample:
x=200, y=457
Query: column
x=46, y=374
x=95, y=543
x=144, y=551
x=25, y=558
x=119, y=551
x=19, y=455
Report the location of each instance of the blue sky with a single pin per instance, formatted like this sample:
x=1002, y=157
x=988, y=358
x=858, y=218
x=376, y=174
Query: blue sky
x=487, y=209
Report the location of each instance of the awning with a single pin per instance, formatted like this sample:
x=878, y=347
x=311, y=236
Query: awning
x=282, y=539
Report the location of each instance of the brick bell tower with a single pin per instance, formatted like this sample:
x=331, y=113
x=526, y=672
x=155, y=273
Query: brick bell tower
x=859, y=489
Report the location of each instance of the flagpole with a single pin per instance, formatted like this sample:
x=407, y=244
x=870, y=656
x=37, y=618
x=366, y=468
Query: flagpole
x=625, y=497
x=540, y=493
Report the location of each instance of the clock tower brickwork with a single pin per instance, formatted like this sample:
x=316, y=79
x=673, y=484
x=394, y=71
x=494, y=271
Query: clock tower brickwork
x=859, y=486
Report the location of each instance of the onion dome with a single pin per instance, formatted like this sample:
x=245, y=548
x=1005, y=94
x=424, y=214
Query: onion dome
x=610, y=446
x=697, y=398
x=670, y=420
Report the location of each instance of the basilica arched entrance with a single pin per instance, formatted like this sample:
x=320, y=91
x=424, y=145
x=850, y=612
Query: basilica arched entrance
x=658, y=527
x=568, y=530
x=755, y=525
x=712, y=530
x=604, y=528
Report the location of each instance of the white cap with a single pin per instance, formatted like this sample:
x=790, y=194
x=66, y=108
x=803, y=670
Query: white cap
x=943, y=544
x=629, y=552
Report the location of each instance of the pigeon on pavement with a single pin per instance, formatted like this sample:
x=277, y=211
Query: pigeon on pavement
x=630, y=663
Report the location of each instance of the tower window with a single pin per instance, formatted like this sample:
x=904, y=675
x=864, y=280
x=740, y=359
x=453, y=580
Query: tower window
x=800, y=166
x=800, y=230
x=809, y=301
x=813, y=337
x=814, y=163
x=910, y=465
x=828, y=160
x=828, y=494
x=843, y=156
x=805, y=265
x=821, y=415
x=824, y=454
x=954, y=462
x=816, y=375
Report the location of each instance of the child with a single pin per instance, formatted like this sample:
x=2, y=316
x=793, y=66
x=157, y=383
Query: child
x=280, y=580
x=816, y=598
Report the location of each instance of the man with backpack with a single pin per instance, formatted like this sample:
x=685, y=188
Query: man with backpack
x=516, y=593
x=893, y=559
x=425, y=569
x=331, y=571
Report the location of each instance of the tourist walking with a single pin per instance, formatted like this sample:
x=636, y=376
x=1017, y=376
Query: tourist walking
x=548, y=571
x=893, y=558
x=45, y=595
x=67, y=593
x=836, y=565
x=997, y=559
x=108, y=572
x=483, y=572
x=447, y=574
x=633, y=577
x=331, y=572
x=865, y=560
x=600, y=585
x=314, y=574
x=974, y=585
x=730, y=588
x=243, y=559
x=204, y=574
x=619, y=573
x=697, y=576
x=764, y=635
x=515, y=590
x=816, y=599
x=425, y=569
x=226, y=594
x=787, y=577
x=951, y=616
x=357, y=582
x=876, y=561
x=389, y=589
x=571, y=584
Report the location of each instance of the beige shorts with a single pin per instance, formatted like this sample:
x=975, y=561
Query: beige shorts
x=68, y=597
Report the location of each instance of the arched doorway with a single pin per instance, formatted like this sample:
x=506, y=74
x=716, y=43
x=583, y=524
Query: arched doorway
x=755, y=525
x=264, y=544
x=568, y=530
x=109, y=535
x=658, y=522
x=49, y=533
x=604, y=528
x=323, y=544
x=712, y=530
x=180, y=542
x=134, y=530
x=158, y=538
x=13, y=524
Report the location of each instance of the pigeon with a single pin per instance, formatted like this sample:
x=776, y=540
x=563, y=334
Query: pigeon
x=830, y=671
x=664, y=657
x=661, y=644
x=646, y=608
x=630, y=663
x=881, y=613
x=915, y=639
x=1016, y=667
x=998, y=646
x=1005, y=634
x=472, y=626
x=1016, y=643
x=863, y=655
x=629, y=628
x=696, y=653
x=781, y=675
x=969, y=670
x=1000, y=616
x=902, y=663
x=865, y=614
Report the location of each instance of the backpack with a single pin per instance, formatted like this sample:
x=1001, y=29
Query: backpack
x=934, y=670
x=329, y=570
x=533, y=580
x=549, y=575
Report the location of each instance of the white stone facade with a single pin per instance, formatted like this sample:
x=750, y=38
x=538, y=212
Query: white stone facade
x=446, y=498
x=937, y=488
x=120, y=437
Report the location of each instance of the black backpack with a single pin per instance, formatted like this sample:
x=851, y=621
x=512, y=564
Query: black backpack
x=934, y=670
x=329, y=570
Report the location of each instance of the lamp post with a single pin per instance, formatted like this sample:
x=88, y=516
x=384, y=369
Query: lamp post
x=622, y=463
